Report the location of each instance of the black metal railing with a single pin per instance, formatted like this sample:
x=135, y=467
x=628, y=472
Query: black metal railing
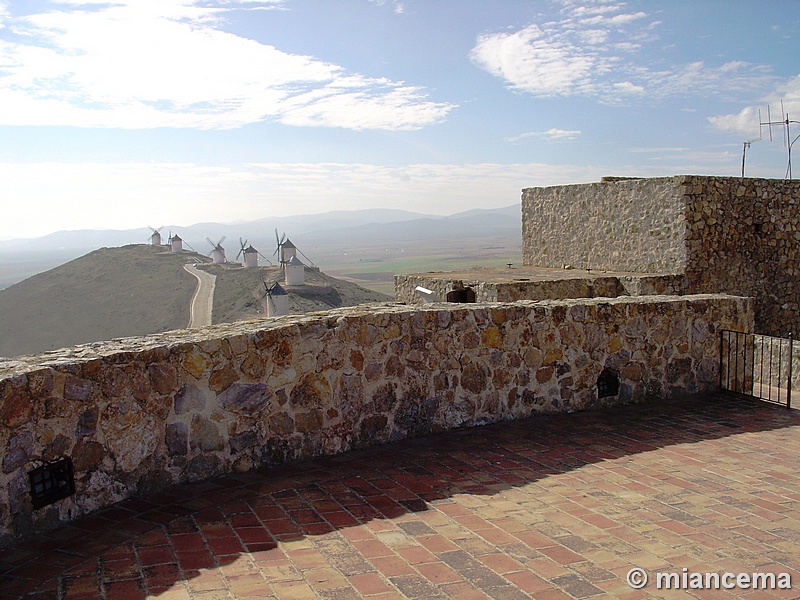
x=757, y=365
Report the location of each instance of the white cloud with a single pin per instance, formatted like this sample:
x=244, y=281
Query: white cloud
x=596, y=50
x=629, y=89
x=43, y=197
x=551, y=134
x=398, y=6
x=167, y=63
x=746, y=122
x=658, y=150
x=40, y=198
x=531, y=62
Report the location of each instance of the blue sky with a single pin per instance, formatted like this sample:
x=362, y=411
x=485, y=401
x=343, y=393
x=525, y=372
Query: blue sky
x=123, y=113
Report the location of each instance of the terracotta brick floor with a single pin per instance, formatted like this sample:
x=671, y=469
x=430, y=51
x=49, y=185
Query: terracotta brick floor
x=550, y=507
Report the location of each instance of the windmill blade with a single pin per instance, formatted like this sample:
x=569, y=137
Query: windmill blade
x=222, y=239
x=277, y=243
x=308, y=259
x=267, y=290
x=213, y=245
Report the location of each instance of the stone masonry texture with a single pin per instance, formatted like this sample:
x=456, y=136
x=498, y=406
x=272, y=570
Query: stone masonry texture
x=139, y=414
x=725, y=235
x=565, y=286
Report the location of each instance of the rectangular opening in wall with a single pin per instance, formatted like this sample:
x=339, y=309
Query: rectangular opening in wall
x=51, y=482
x=461, y=295
x=608, y=384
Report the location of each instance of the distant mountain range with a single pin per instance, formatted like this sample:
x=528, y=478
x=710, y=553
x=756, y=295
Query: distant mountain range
x=320, y=235
x=371, y=221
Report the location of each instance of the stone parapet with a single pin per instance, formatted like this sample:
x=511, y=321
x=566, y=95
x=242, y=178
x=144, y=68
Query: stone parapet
x=139, y=414
x=566, y=284
x=723, y=234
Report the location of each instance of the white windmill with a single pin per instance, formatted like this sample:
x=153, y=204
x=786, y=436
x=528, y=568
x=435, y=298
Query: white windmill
x=249, y=254
x=280, y=250
x=286, y=249
x=294, y=271
x=155, y=237
x=218, y=252
x=275, y=300
x=175, y=243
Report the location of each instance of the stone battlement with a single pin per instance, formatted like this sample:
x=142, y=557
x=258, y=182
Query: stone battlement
x=139, y=414
x=724, y=234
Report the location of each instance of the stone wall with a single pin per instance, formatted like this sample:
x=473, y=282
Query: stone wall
x=139, y=414
x=743, y=237
x=440, y=285
x=633, y=225
x=725, y=234
x=599, y=286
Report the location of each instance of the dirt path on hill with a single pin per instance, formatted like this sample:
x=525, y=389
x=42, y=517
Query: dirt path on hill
x=203, y=299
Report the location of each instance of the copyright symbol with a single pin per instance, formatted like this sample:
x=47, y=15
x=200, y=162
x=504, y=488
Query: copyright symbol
x=637, y=578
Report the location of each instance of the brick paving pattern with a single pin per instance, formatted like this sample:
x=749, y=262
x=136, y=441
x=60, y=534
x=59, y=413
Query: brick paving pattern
x=551, y=507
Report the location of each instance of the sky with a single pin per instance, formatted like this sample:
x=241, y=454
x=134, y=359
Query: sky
x=117, y=114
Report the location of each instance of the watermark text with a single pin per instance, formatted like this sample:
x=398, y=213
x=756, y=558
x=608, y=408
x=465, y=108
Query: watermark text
x=689, y=580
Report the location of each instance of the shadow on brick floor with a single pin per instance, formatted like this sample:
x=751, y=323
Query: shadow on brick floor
x=143, y=546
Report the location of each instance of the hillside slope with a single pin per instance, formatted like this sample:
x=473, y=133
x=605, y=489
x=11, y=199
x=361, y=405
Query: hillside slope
x=109, y=293
x=238, y=292
x=141, y=289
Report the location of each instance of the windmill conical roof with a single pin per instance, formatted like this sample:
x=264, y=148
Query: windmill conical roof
x=288, y=244
x=250, y=249
x=294, y=261
x=177, y=237
x=277, y=290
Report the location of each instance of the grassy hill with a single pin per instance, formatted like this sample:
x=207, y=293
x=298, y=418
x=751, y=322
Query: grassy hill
x=238, y=292
x=109, y=293
x=138, y=290
x=367, y=247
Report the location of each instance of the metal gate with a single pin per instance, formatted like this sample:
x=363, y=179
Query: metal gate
x=757, y=365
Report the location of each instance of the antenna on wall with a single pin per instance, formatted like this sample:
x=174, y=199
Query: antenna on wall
x=745, y=146
x=788, y=142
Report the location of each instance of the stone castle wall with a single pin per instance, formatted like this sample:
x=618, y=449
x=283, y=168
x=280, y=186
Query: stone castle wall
x=743, y=237
x=634, y=225
x=725, y=234
x=139, y=414
x=440, y=285
x=599, y=286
